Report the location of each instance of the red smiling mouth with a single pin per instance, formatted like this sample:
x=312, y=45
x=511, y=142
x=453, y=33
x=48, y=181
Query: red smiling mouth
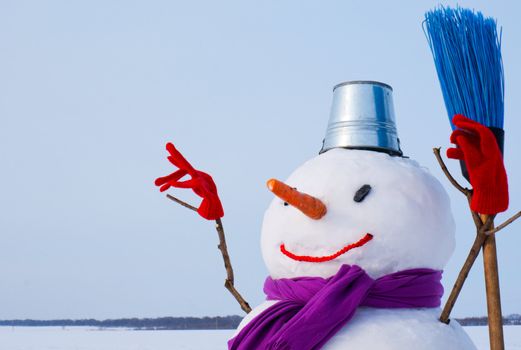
x=318, y=259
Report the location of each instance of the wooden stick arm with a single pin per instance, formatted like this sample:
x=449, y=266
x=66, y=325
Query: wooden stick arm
x=229, y=282
x=505, y=224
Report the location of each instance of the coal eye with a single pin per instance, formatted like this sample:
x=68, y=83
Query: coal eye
x=362, y=193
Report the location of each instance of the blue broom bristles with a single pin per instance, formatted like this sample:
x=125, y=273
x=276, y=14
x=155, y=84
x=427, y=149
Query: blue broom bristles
x=467, y=54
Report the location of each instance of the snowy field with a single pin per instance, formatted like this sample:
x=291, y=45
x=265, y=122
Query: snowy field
x=512, y=336
x=81, y=338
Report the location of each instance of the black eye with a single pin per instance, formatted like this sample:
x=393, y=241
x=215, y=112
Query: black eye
x=362, y=193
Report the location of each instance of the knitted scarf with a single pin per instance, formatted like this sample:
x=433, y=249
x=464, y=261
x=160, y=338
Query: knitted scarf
x=310, y=310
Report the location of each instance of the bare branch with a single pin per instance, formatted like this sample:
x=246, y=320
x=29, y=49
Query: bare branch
x=184, y=204
x=484, y=238
x=449, y=176
x=231, y=288
x=505, y=224
x=488, y=224
x=229, y=282
x=481, y=228
x=475, y=217
x=462, y=276
x=467, y=266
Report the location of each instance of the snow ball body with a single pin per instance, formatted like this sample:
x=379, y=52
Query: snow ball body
x=407, y=211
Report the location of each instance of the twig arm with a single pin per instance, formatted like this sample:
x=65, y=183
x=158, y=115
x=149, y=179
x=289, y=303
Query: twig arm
x=482, y=225
x=505, y=224
x=462, y=276
x=464, y=272
x=229, y=282
x=184, y=204
x=447, y=173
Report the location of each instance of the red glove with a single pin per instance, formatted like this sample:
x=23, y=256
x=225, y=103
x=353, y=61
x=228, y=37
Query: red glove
x=201, y=183
x=478, y=148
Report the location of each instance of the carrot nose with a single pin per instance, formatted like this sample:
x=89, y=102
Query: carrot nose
x=309, y=205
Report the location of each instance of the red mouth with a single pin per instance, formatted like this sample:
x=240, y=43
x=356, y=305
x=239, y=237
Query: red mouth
x=318, y=259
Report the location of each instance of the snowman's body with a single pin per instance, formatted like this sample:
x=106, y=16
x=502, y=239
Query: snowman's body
x=408, y=214
x=392, y=329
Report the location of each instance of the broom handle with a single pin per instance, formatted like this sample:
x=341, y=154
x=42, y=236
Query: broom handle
x=495, y=318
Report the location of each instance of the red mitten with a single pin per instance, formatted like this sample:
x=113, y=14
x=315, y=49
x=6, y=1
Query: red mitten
x=478, y=148
x=201, y=183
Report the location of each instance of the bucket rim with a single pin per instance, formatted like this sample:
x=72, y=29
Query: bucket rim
x=360, y=82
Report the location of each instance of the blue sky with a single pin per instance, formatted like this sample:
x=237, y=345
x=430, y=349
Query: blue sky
x=91, y=91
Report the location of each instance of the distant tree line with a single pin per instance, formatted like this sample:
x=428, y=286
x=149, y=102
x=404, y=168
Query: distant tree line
x=511, y=320
x=226, y=322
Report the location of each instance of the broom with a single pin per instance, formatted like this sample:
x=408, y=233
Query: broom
x=467, y=53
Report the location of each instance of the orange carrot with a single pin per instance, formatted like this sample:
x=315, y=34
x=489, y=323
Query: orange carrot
x=309, y=205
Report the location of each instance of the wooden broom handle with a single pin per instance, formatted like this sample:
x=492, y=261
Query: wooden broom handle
x=495, y=318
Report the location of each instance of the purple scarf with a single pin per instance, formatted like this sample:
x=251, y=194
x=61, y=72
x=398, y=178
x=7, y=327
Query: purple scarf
x=312, y=309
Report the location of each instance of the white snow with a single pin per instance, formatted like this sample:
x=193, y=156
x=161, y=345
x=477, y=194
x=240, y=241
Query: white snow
x=87, y=338
x=79, y=338
x=392, y=329
x=479, y=336
x=407, y=211
x=400, y=329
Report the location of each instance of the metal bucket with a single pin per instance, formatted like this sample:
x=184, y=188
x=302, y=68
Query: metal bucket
x=362, y=117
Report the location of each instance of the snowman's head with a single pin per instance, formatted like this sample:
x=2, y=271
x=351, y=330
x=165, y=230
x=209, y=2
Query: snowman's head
x=382, y=213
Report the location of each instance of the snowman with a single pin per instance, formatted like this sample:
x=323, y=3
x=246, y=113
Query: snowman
x=355, y=241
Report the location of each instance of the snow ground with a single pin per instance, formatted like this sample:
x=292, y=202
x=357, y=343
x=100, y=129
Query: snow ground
x=479, y=336
x=87, y=338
